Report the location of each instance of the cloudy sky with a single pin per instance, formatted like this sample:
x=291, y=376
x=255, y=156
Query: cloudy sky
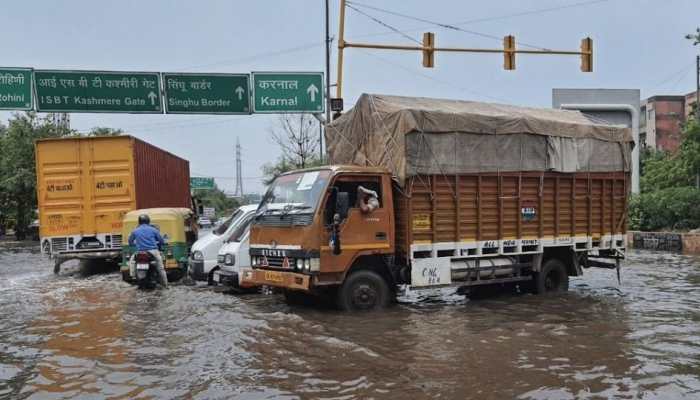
x=638, y=44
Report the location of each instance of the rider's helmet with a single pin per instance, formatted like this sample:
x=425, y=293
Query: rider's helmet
x=144, y=219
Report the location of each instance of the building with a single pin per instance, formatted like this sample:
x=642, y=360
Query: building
x=662, y=119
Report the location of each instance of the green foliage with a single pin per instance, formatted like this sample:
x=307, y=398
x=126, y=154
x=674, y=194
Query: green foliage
x=104, y=131
x=675, y=208
x=17, y=168
x=670, y=198
x=216, y=198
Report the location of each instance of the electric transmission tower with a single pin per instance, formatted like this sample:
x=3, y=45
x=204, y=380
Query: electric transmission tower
x=239, y=174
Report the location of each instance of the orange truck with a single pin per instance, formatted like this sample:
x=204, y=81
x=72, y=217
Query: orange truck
x=85, y=186
x=465, y=194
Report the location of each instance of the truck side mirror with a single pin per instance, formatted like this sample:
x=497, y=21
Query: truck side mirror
x=342, y=204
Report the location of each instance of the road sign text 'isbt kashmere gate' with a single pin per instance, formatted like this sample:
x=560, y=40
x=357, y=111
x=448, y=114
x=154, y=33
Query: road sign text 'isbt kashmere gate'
x=97, y=91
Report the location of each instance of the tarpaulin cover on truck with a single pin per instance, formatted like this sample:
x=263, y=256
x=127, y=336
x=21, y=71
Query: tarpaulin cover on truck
x=415, y=136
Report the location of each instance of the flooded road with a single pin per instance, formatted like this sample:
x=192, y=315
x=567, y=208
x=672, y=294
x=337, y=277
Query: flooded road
x=92, y=336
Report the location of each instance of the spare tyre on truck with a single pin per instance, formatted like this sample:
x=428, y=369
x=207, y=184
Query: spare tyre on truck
x=425, y=193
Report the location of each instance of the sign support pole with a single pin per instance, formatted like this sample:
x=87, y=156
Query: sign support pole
x=341, y=46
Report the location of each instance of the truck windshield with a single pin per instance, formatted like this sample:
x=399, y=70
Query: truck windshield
x=298, y=193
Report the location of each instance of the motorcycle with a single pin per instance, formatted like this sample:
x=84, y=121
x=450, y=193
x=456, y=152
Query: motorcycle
x=146, y=270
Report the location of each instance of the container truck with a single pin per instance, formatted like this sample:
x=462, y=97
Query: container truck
x=469, y=194
x=85, y=186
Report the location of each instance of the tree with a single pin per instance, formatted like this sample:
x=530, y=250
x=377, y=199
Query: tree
x=104, y=131
x=216, y=198
x=17, y=168
x=669, y=194
x=297, y=137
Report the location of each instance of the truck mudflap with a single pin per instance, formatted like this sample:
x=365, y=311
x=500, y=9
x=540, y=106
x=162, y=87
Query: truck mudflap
x=281, y=279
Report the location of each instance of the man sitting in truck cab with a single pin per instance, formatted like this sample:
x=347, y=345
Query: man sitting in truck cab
x=367, y=200
x=147, y=238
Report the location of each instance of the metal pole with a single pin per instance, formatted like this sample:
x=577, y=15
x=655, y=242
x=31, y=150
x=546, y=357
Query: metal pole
x=341, y=45
x=697, y=89
x=328, y=80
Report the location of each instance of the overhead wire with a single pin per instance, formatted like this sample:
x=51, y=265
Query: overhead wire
x=442, y=25
x=446, y=83
x=382, y=23
x=512, y=15
x=682, y=72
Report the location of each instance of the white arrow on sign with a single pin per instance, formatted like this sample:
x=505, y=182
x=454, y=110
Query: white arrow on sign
x=312, y=90
x=153, y=98
x=239, y=91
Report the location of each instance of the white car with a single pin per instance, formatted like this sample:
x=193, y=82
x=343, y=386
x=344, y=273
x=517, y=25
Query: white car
x=234, y=257
x=204, y=251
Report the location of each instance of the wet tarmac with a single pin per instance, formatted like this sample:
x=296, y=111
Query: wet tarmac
x=88, y=335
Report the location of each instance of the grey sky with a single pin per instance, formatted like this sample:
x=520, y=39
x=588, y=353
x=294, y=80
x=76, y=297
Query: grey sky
x=638, y=44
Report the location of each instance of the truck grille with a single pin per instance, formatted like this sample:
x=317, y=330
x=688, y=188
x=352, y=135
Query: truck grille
x=278, y=262
x=59, y=244
x=286, y=220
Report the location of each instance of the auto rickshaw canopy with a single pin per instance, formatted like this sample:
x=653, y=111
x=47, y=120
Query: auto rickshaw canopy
x=171, y=222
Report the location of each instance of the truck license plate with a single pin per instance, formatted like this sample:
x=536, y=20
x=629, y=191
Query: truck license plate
x=273, y=276
x=142, y=267
x=217, y=277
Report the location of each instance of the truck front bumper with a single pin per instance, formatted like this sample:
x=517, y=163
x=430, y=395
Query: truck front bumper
x=280, y=279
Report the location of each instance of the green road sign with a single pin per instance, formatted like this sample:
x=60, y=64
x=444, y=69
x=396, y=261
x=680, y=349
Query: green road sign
x=288, y=92
x=201, y=183
x=16, y=89
x=206, y=93
x=97, y=91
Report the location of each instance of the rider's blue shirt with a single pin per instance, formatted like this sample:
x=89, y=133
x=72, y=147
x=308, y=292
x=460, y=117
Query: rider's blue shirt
x=145, y=237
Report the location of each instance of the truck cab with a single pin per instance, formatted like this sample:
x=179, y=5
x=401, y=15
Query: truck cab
x=309, y=232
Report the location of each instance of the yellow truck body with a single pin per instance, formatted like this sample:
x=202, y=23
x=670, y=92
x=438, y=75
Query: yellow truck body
x=85, y=186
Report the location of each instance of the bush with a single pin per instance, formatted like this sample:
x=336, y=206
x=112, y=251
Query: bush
x=675, y=208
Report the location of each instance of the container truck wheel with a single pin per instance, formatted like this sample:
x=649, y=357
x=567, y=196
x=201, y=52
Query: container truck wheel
x=57, y=266
x=363, y=291
x=553, y=277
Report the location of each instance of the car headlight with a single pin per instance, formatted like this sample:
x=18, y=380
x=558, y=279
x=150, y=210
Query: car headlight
x=197, y=255
x=230, y=259
x=220, y=258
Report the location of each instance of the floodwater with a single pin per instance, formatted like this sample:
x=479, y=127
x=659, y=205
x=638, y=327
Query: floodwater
x=91, y=336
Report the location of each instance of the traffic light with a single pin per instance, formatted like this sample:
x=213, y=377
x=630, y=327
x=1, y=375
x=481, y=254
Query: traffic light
x=509, y=52
x=429, y=53
x=587, y=55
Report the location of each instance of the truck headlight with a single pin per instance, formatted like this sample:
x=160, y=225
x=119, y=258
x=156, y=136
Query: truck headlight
x=300, y=264
x=197, y=255
x=307, y=265
x=230, y=259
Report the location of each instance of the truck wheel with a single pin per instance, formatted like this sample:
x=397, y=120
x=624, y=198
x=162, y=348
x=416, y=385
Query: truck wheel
x=363, y=291
x=57, y=266
x=552, y=278
x=126, y=276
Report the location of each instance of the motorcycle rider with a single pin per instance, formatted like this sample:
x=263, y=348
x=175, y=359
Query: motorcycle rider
x=147, y=238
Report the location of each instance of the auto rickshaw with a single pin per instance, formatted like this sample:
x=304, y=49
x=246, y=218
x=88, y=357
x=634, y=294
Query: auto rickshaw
x=179, y=230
